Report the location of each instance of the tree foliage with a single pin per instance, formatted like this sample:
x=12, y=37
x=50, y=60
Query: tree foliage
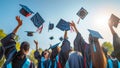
x=108, y=46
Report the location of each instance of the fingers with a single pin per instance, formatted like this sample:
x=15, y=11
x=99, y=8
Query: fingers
x=72, y=24
x=19, y=20
x=36, y=42
x=17, y=17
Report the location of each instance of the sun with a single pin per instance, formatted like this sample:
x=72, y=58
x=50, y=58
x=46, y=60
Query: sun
x=101, y=20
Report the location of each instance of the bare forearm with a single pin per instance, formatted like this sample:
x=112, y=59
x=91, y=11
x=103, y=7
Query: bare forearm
x=36, y=47
x=16, y=29
x=19, y=24
x=75, y=29
x=65, y=35
x=36, y=43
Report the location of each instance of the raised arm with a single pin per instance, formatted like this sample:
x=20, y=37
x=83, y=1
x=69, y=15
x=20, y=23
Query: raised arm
x=79, y=42
x=36, y=43
x=111, y=27
x=74, y=26
x=65, y=35
x=36, y=53
x=19, y=24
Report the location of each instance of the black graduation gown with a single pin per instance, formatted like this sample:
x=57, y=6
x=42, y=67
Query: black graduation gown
x=9, y=46
x=1, y=52
x=83, y=47
x=18, y=61
x=113, y=63
x=116, y=45
x=64, y=54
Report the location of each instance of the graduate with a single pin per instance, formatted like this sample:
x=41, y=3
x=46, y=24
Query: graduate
x=92, y=52
x=43, y=59
x=112, y=61
x=16, y=59
x=20, y=60
x=113, y=21
x=65, y=48
x=55, y=57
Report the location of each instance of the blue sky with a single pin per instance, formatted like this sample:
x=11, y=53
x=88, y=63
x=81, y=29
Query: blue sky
x=99, y=12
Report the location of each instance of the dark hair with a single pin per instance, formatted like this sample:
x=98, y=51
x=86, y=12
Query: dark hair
x=113, y=54
x=25, y=45
x=43, y=53
x=54, y=53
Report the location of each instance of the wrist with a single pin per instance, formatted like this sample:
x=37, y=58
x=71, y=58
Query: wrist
x=19, y=25
x=110, y=26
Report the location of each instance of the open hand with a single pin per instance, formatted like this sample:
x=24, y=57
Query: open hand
x=36, y=42
x=19, y=20
x=72, y=24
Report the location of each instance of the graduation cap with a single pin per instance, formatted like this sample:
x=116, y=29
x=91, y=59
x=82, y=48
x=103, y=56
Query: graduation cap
x=82, y=13
x=54, y=46
x=38, y=21
x=95, y=34
x=115, y=20
x=61, y=38
x=51, y=38
x=50, y=26
x=25, y=11
x=30, y=33
x=63, y=25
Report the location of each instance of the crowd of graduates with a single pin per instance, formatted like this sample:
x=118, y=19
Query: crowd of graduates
x=82, y=55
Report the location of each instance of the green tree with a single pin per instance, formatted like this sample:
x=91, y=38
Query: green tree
x=2, y=34
x=108, y=46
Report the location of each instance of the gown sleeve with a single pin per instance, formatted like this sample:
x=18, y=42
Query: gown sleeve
x=79, y=43
x=37, y=55
x=8, y=39
x=116, y=45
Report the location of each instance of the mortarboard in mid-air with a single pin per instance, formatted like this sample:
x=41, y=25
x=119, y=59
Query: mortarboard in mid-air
x=63, y=25
x=51, y=38
x=82, y=13
x=38, y=21
x=30, y=33
x=61, y=38
x=50, y=26
x=25, y=11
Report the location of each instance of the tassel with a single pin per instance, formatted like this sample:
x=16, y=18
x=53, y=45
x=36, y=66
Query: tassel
x=40, y=29
x=78, y=21
x=94, y=47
